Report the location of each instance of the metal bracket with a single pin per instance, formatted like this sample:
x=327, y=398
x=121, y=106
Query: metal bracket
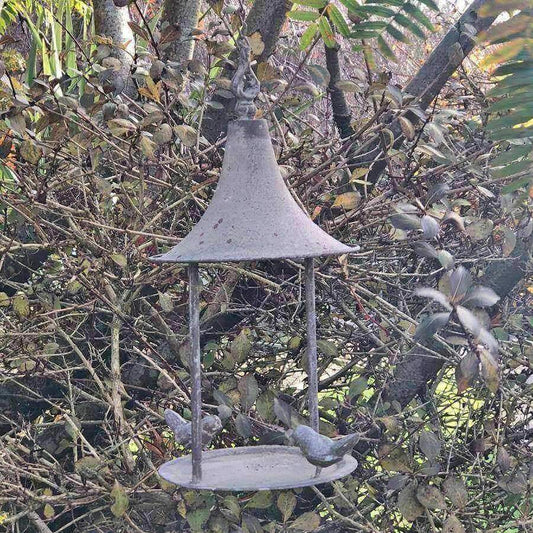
x=245, y=85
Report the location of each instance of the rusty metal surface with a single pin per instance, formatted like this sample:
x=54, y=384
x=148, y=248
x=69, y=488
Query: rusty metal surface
x=252, y=215
x=254, y=468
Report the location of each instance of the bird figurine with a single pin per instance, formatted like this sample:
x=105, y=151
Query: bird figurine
x=182, y=429
x=320, y=450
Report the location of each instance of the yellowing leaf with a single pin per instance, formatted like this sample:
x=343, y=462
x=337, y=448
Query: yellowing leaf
x=407, y=128
x=286, y=504
x=122, y=501
x=393, y=458
x=187, y=134
x=306, y=522
x=504, y=52
x=120, y=260
x=347, y=200
x=48, y=511
x=30, y=152
x=357, y=174
x=325, y=29
x=4, y=299
x=21, y=305
x=256, y=43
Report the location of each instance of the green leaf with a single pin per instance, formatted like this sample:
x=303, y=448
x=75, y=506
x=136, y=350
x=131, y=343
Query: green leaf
x=505, y=52
x=408, y=504
x=363, y=34
x=327, y=348
x=319, y=4
x=287, y=414
x=264, y=406
x=407, y=23
x=396, y=34
x=350, y=87
x=121, y=126
x=404, y=221
x=351, y=5
x=304, y=16
x=455, y=491
x=327, y=32
x=319, y=74
x=430, y=324
x=430, y=445
x=510, y=102
x=377, y=11
x=417, y=14
x=260, y=500
x=286, y=504
x=251, y=524
x=515, y=185
x=338, y=20
x=197, y=519
x=514, y=153
x=395, y=3
x=394, y=458
x=385, y=49
x=249, y=390
x=240, y=348
x=430, y=497
x=371, y=25
x=453, y=525
x=231, y=508
x=446, y=259
x=480, y=229
x=243, y=426
x=308, y=35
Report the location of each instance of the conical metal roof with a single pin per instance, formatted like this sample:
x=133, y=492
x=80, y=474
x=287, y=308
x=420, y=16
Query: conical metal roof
x=252, y=215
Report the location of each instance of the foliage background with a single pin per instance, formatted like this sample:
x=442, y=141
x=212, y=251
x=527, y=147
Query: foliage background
x=110, y=151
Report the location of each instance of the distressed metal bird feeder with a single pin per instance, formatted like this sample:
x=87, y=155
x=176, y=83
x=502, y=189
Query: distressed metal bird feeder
x=252, y=216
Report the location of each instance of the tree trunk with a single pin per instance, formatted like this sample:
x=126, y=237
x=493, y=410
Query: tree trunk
x=341, y=112
x=428, y=82
x=184, y=15
x=266, y=18
x=112, y=21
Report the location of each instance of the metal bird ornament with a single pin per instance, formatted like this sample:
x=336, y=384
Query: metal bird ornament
x=320, y=450
x=182, y=429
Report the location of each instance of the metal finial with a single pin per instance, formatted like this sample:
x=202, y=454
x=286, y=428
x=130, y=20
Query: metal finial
x=245, y=84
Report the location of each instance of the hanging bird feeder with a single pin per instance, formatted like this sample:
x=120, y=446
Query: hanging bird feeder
x=251, y=217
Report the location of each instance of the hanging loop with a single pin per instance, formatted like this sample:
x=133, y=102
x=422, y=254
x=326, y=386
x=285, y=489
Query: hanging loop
x=245, y=85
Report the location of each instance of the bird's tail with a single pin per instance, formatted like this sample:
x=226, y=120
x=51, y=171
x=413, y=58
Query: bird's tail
x=345, y=445
x=173, y=419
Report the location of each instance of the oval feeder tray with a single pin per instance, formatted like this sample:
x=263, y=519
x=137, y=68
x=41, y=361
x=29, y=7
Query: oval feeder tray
x=254, y=468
